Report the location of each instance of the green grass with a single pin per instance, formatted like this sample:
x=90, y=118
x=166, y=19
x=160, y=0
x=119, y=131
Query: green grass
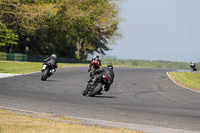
x=16, y=67
x=187, y=79
x=19, y=67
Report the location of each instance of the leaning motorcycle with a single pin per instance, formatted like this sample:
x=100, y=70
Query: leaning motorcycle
x=94, y=87
x=47, y=72
x=194, y=67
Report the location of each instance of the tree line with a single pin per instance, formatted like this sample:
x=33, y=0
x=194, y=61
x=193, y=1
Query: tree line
x=69, y=28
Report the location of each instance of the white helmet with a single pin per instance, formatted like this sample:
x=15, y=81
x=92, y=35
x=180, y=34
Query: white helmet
x=97, y=55
x=53, y=55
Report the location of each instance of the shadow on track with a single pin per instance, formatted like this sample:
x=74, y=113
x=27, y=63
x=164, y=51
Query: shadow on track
x=104, y=97
x=50, y=81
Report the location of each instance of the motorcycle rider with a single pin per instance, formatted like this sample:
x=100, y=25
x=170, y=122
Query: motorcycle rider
x=53, y=60
x=193, y=66
x=105, y=71
x=93, y=59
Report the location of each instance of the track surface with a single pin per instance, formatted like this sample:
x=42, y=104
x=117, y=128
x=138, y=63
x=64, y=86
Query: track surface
x=138, y=96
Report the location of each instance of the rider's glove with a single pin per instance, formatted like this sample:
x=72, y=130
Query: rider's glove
x=88, y=70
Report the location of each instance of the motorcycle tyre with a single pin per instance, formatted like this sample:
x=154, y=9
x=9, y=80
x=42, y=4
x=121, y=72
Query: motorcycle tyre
x=97, y=90
x=85, y=92
x=45, y=74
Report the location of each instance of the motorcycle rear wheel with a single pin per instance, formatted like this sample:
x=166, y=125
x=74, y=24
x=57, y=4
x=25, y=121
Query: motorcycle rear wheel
x=97, y=90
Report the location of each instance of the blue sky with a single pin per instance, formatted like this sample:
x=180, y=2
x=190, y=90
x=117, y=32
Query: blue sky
x=159, y=30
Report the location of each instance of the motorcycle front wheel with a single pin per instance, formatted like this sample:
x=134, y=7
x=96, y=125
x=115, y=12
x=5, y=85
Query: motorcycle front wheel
x=45, y=74
x=85, y=92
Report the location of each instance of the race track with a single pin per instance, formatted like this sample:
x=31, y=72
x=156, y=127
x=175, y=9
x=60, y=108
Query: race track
x=141, y=96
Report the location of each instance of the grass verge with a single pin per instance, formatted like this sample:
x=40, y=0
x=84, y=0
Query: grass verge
x=187, y=79
x=16, y=67
x=20, y=123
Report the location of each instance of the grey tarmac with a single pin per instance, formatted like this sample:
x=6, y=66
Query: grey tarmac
x=140, y=98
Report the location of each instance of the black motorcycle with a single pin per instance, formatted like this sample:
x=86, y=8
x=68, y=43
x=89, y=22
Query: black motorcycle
x=47, y=72
x=193, y=66
x=94, y=87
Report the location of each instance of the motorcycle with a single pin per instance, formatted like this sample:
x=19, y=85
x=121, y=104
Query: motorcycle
x=95, y=65
x=94, y=86
x=47, y=72
x=193, y=67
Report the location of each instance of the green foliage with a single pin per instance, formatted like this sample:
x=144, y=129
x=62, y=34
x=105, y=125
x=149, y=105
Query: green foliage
x=7, y=36
x=70, y=28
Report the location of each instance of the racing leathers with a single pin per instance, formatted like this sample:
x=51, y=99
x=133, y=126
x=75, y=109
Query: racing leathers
x=93, y=59
x=53, y=62
x=106, y=72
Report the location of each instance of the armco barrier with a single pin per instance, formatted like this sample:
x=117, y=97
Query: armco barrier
x=20, y=57
x=36, y=58
x=3, y=56
x=13, y=56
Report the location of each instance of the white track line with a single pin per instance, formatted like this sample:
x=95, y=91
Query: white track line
x=7, y=75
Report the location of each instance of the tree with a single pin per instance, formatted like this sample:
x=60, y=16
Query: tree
x=94, y=23
x=70, y=28
x=8, y=37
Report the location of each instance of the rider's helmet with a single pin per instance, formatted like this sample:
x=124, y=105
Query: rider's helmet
x=110, y=66
x=53, y=55
x=97, y=56
x=192, y=64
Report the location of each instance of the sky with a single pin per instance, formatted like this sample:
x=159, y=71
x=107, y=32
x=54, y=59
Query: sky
x=159, y=30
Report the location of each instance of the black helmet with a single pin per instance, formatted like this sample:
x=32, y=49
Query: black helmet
x=110, y=66
x=53, y=55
